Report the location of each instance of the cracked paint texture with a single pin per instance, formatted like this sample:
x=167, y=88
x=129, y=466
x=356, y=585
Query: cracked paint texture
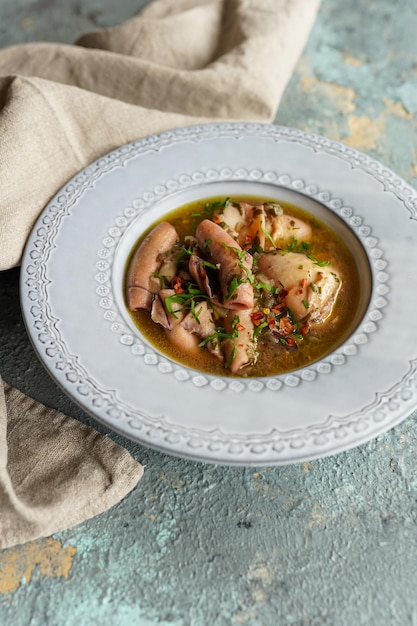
x=17, y=565
x=357, y=81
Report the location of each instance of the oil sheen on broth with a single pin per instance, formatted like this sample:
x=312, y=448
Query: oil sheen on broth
x=285, y=259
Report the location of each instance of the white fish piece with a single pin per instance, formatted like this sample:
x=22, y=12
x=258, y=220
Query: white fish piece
x=284, y=228
x=201, y=322
x=312, y=288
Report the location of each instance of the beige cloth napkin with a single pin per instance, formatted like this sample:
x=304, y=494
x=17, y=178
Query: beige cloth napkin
x=178, y=62
x=56, y=471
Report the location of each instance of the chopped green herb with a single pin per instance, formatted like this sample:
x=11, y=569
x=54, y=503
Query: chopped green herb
x=231, y=356
x=268, y=287
x=303, y=247
x=161, y=278
x=178, y=298
x=317, y=262
x=292, y=317
x=220, y=332
x=259, y=328
x=255, y=248
x=195, y=312
x=201, y=261
x=211, y=207
x=290, y=247
x=235, y=321
x=233, y=285
x=186, y=300
x=268, y=236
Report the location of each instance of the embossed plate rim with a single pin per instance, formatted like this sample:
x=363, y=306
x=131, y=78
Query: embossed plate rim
x=387, y=407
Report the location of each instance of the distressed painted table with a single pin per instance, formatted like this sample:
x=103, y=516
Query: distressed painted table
x=333, y=541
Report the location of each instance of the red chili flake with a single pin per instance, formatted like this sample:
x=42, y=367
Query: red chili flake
x=256, y=317
x=177, y=283
x=303, y=283
x=285, y=325
x=290, y=341
x=271, y=322
x=305, y=329
x=277, y=307
x=239, y=326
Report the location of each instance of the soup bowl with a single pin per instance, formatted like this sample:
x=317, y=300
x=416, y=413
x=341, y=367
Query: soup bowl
x=164, y=209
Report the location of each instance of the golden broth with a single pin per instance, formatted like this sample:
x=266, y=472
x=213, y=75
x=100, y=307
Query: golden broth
x=322, y=338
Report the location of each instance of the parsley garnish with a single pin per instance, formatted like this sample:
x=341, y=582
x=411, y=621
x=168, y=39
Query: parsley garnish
x=317, y=262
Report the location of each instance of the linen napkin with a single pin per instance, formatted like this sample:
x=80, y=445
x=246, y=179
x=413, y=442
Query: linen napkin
x=56, y=472
x=178, y=62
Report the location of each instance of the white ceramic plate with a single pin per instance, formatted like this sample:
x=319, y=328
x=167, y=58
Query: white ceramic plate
x=72, y=300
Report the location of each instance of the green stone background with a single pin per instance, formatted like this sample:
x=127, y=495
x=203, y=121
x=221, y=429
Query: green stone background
x=330, y=542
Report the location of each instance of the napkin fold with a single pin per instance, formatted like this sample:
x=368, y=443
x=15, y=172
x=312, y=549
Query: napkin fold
x=54, y=471
x=178, y=62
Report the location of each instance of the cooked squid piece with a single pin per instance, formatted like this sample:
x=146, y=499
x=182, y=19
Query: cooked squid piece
x=141, y=282
x=312, y=288
x=235, y=265
x=239, y=351
x=198, y=271
x=172, y=317
x=185, y=330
